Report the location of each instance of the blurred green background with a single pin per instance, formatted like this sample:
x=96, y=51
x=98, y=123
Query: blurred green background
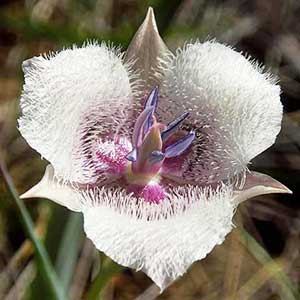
x=260, y=259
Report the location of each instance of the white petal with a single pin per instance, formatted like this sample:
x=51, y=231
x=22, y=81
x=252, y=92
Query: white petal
x=167, y=242
x=259, y=184
x=235, y=108
x=51, y=189
x=147, y=50
x=71, y=97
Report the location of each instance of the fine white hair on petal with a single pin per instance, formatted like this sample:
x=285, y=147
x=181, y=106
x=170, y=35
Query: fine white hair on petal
x=166, y=244
x=108, y=156
x=70, y=99
x=234, y=107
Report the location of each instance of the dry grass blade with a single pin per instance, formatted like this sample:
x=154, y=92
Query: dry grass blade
x=270, y=269
x=23, y=281
x=51, y=279
x=26, y=250
x=266, y=273
x=82, y=271
x=150, y=294
x=233, y=264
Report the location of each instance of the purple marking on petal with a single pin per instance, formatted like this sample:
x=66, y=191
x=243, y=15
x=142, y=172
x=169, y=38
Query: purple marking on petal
x=180, y=146
x=153, y=193
x=156, y=156
x=132, y=155
x=138, y=131
x=173, y=126
x=109, y=156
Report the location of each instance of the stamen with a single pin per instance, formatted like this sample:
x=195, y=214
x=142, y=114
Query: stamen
x=156, y=156
x=151, y=101
x=152, y=142
x=132, y=155
x=138, y=131
x=173, y=126
x=180, y=146
x=147, y=158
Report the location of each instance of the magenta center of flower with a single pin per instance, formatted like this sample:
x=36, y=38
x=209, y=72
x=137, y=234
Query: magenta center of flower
x=150, y=151
x=153, y=147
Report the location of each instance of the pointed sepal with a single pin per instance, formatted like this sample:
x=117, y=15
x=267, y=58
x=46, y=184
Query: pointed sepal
x=147, y=49
x=50, y=188
x=259, y=184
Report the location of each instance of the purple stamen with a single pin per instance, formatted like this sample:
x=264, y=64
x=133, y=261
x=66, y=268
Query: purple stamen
x=132, y=155
x=156, y=156
x=180, y=146
x=138, y=131
x=148, y=123
x=173, y=126
x=151, y=101
x=146, y=158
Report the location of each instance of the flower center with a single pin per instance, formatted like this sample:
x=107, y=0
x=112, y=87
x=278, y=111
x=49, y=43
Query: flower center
x=149, y=144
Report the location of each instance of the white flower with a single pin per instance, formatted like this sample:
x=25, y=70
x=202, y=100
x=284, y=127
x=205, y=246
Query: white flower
x=154, y=197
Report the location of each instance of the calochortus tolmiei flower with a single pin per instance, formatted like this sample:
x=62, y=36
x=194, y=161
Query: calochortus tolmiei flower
x=151, y=146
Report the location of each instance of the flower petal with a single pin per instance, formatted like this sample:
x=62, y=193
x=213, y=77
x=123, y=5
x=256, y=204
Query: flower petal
x=162, y=239
x=70, y=99
x=259, y=184
x=51, y=189
x=234, y=107
x=146, y=50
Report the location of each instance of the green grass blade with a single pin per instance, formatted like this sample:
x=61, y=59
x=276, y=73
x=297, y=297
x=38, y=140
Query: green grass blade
x=52, y=240
x=44, y=263
x=287, y=290
x=109, y=269
x=69, y=248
